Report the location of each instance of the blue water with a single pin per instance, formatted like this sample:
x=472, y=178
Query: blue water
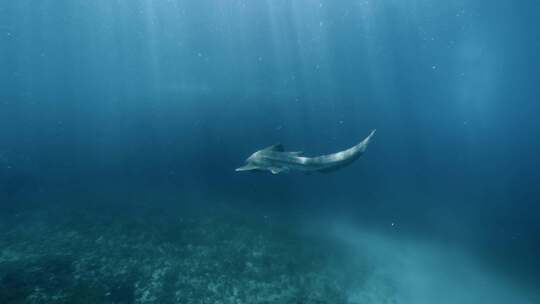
x=121, y=112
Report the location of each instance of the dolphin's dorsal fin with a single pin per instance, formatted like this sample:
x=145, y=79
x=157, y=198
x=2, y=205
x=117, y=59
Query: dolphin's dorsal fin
x=276, y=147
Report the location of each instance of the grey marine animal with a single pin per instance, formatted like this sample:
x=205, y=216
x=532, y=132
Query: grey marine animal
x=276, y=160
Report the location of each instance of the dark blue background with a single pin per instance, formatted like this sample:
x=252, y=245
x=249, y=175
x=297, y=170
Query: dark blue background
x=170, y=96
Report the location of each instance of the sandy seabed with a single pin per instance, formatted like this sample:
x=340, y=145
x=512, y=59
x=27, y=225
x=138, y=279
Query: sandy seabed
x=203, y=258
x=214, y=257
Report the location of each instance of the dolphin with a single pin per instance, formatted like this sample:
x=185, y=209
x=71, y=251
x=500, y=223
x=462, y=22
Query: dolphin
x=276, y=160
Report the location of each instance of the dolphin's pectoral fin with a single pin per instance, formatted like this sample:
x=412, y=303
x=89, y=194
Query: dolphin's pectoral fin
x=276, y=148
x=247, y=167
x=276, y=170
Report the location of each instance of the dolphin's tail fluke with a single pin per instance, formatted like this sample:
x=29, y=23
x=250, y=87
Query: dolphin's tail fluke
x=362, y=146
x=370, y=135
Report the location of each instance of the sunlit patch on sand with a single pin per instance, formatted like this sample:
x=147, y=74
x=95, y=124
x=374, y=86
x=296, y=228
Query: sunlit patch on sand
x=411, y=271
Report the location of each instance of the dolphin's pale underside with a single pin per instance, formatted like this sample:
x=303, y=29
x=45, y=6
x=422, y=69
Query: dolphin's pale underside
x=276, y=160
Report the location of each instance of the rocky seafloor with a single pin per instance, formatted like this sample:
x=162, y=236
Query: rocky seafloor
x=172, y=257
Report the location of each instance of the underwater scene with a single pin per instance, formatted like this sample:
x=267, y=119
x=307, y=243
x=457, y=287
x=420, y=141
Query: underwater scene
x=270, y=151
